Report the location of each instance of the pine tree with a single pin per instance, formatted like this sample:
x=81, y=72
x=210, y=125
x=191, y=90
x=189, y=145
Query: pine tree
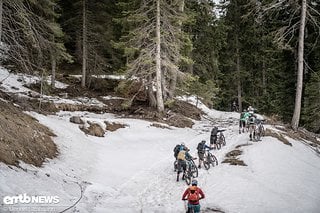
x=152, y=46
x=27, y=30
x=90, y=31
x=290, y=35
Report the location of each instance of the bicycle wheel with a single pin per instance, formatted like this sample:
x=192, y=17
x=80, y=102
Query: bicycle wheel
x=263, y=132
x=218, y=145
x=194, y=169
x=257, y=135
x=206, y=161
x=188, y=177
x=213, y=160
x=222, y=140
x=206, y=165
x=175, y=165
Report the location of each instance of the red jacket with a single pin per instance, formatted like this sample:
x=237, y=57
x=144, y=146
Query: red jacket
x=186, y=195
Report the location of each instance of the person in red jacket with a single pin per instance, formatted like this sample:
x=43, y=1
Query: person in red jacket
x=193, y=194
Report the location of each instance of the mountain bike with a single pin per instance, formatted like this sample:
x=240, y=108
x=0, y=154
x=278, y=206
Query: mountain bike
x=193, y=167
x=209, y=159
x=175, y=165
x=221, y=141
x=191, y=171
x=259, y=130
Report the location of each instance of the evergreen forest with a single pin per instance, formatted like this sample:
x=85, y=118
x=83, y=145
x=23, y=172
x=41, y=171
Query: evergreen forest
x=260, y=53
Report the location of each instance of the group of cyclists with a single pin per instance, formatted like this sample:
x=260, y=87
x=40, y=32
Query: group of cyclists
x=248, y=122
x=181, y=153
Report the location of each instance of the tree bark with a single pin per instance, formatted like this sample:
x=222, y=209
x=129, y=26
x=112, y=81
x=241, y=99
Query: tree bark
x=53, y=62
x=173, y=81
x=160, y=105
x=151, y=97
x=53, y=70
x=84, y=45
x=238, y=74
x=264, y=78
x=1, y=8
x=297, y=107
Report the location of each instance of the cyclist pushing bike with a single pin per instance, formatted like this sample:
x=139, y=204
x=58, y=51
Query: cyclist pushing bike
x=193, y=194
x=201, y=151
x=213, y=137
x=243, y=120
x=252, y=125
x=182, y=162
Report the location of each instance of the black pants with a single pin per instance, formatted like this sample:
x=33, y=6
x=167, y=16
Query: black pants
x=213, y=139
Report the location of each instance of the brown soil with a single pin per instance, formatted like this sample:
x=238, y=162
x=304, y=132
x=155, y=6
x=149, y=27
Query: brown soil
x=231, y=158
x=114, y=126
x=277, y=135
x=213, y=209
x=179, y=114
x=23, y=138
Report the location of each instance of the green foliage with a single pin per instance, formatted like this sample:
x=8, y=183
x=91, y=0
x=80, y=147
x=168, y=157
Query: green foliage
x=126, y=104
x=169, y=103
x=34, y=36
x=207, y=90
x=311, y=110
x=123, y=88
x=101, y=31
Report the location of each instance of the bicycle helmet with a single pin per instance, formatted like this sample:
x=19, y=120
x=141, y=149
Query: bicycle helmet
x=203, y=141
x=194, y=182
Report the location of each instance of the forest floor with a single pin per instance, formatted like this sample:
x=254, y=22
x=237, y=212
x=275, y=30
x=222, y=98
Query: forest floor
x=23, y=138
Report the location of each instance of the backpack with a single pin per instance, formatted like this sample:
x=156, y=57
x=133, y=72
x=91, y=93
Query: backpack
x=201, y=147
x=176, y=149
x=182, y=155
x=214, y=131
x=193, y=197
x=251, y=120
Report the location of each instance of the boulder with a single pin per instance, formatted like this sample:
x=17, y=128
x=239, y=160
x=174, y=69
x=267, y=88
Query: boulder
x=76, y=120
x=93, y=129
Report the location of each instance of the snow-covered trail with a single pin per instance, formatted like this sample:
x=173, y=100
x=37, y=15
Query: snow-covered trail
x=153, y=187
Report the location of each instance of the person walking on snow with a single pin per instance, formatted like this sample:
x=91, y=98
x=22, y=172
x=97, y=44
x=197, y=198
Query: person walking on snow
x=252, y=126
x=243, y=120
x=201, y=151
x=177, y=148
x=193, y=194
x=213, y=137
x=251, y=109
x=182, y=162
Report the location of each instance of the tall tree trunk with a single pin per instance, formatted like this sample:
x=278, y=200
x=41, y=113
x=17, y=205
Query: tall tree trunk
x=53, y=70
x=238, y=74
x=173, y=81
x=160, y=105
x=84, y=44
x=1, y=8
x=151, y=98
x=53, y=61
x=297, y=107
x=264, y=80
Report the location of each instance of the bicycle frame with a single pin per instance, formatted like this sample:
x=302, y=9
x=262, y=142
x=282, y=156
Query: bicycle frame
x=259, y=129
